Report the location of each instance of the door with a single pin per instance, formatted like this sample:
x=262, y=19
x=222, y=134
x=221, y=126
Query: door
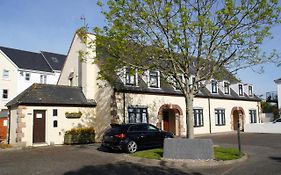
x=235, y=120
x=166, y=120
x=39, y=126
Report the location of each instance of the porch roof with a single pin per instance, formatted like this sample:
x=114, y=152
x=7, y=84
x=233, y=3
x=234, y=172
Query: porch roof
x=52, y=95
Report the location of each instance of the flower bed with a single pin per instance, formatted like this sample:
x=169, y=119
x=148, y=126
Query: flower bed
x=80, y=136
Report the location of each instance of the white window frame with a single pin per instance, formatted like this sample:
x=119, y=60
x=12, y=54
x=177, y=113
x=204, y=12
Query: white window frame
x=43, y=79
x=137, y=114
x=29, y=75
x=220, y=117
x=6, y=94
x=253, y=115
x=240, y=93
x=226, y=90
x=250, y=90
x=216, y=87
x=6, y=74
x=158, y=79
x=135, y=76
x=198, y=117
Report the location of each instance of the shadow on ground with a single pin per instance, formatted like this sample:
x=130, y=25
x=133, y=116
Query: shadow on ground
x=277, y=159
x=129, y=168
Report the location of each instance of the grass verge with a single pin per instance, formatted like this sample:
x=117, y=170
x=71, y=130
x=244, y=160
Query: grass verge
x=220, y=153
x=149, y=154
x=227, y=153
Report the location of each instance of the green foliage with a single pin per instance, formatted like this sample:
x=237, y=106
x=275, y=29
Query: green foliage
x=227, y=153
x=80, y=131
x=268, y=107
x=220, y=153
x=181, y=39
x=73, y=114
x=79, y=135
x=149, y=154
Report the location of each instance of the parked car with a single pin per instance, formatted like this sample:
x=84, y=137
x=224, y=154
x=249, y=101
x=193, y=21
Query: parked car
x=132, y=137
x=278, y=120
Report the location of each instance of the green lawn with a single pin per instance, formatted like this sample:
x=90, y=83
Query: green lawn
x=220, y=153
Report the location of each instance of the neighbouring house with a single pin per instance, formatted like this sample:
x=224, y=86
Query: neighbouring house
x=42, y=113
x=148, y=98
x=19, y=69
x=3, y=124
x=278, y=83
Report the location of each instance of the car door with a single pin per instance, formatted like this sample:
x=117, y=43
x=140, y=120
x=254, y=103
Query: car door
x=154, y=136
x=138, y=133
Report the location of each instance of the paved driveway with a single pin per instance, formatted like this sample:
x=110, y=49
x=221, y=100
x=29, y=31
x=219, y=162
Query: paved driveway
x=264, y=151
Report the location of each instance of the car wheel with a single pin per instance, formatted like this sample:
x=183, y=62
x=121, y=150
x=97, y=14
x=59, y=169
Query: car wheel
x=132, y=147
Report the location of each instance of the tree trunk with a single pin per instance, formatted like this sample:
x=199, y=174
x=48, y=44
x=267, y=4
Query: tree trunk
x=189, y=115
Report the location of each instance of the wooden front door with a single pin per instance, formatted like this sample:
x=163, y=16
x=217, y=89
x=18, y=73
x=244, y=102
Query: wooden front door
x=235, y=120
x=166, y=120
x=39, y=126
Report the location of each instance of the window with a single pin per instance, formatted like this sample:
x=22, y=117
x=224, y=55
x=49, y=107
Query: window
x=5, y=94
x=55, y=112
x=226, y=87
x=55, y=123
x=253, y=116
x=250, y=91
x=21, y=73
x=198, y=117
x=214, y=85
x=130, y=77
x=240, y=89
x=137, y=115
x=138, y=128
x=43, y=79
x=27, y=76
x=220, y=117
x=5, y=123
x=154, y=79
x=5, y=74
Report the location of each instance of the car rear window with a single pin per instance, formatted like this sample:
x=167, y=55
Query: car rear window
x=115, y=130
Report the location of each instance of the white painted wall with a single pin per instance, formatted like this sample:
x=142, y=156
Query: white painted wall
x=154, y=102
x=279, y=94
x=274, y=128
x=34, y=78
x=16, y=82
x=53, y=135
x=10, y=83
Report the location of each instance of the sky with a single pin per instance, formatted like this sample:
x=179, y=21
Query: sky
x=49, y=25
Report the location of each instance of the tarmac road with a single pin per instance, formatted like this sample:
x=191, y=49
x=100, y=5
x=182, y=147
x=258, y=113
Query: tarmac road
x=264, y=152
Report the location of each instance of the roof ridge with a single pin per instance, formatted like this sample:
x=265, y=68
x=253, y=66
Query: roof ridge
x=56, y=85
x=19, y=49
x=53, y=53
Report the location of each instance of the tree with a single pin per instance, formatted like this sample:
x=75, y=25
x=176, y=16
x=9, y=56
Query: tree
x=202, y=39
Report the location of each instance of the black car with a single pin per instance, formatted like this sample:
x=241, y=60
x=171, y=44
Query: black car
x=131, y=137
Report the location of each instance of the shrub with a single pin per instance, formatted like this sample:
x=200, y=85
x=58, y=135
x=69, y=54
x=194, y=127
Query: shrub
x=79, y=135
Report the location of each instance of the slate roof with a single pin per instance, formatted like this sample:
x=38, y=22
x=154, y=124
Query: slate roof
x=34, y=61
x=167, y=89
x=55, y=60
x=52, y=95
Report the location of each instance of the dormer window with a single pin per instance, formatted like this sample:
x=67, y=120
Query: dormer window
x=214, y=86
x=250, y=89
x=240, y=89
x=130, y=77
x=226, y=87
x=154, y=79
